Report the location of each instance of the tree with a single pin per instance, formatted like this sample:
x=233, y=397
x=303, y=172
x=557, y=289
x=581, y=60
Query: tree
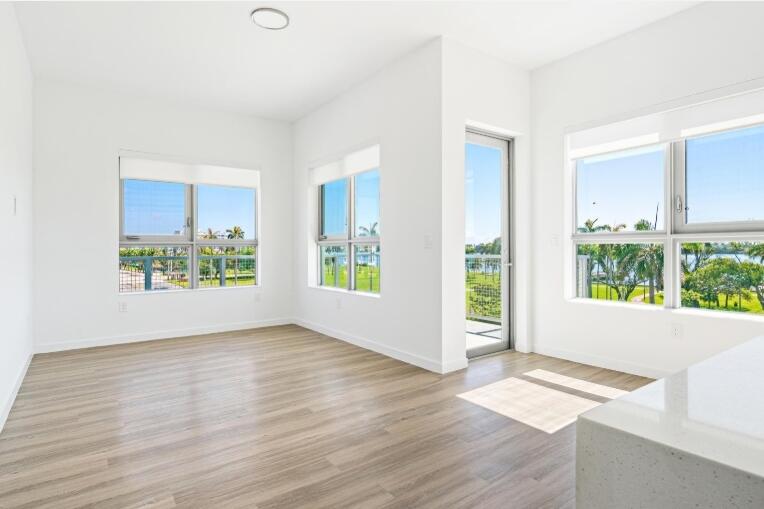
x=695, y=255
x=720, y=276
x=235, y=232
x=756, y=251
x=753, y=274
x=649, y=263
x=618, y=263
x=371, y=231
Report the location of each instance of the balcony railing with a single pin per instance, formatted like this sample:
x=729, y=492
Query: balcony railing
x=483, y=281
x=148, y=273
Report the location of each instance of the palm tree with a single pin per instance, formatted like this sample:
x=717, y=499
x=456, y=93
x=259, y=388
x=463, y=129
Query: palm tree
x=757, y=251
x=650, y=261
x=371, y=231
x=210, y=234
x=235, y=232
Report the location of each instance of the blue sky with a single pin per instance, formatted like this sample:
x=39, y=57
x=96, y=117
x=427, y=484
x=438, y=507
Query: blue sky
x=158, y=208
x=482, y=193
x=724, y=178
x=221, y=208
x=618, y=188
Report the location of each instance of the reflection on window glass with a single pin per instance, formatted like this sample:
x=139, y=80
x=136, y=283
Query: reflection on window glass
x=150, y=268
x=225, y=212
x=725, y=276
x=367, y=204
x=334, y=208
x=367, y=265
x=334, y=266
x=226, y=266
x=620, y=272
x=622, y=191
x=725, y=176
x=154, y=208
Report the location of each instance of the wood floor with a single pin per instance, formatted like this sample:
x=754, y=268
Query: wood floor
x=276, y=417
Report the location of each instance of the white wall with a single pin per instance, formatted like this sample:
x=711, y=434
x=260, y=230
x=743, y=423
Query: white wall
x=417, y=110
x=482, y=91
x=79, y=134
x=16, y=177
x=399, y=108
x=703, y=48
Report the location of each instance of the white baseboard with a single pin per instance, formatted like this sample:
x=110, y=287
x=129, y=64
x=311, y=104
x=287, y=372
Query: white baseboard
x=6, y=410
x=165, y=334
x=410, y=358
x=601, y=362
x=407, y=357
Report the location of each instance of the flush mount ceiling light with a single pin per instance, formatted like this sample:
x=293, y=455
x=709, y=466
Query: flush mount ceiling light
x=270, y=18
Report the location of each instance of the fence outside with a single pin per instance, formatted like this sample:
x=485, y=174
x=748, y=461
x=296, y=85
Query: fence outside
x=483, y=282
x=148, y=273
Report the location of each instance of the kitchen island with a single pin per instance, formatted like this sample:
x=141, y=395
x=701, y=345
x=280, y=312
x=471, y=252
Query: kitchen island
x=693, y=439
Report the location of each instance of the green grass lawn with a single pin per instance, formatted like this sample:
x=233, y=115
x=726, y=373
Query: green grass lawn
x=483, y=295
x=603, y=292
x=748, y=304
x=366, y=278
x=244, y=279
x=745, y=305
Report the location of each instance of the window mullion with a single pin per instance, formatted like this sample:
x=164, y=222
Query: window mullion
x=351, y=233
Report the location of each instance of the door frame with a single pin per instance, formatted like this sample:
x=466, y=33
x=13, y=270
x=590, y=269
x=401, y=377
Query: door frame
x=506, y=145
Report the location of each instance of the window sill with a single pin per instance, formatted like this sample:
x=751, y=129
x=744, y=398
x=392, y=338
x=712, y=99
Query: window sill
x=710, y=313
x=191, y=290
x=702, y=313
x=615, y=304
x=346, y=292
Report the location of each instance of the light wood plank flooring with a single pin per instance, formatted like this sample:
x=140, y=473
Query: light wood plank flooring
x=276, y=417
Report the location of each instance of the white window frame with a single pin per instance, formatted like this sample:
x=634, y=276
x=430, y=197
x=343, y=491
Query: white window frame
x=349, y=239
x=676, y=231
x=190, y=239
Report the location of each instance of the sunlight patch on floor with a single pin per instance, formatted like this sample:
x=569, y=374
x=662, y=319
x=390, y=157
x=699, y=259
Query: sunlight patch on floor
x=543, y=408
x=576, y=383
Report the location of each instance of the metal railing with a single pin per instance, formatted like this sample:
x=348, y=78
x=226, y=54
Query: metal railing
x=143, y=273
x=483, y=281
x=148, y=273
x=226, y=270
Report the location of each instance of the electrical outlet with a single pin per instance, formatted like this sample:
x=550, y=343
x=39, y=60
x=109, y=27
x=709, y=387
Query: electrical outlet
x=428, y=241
x=676, y=330
x=122, y=306
x=339, y=303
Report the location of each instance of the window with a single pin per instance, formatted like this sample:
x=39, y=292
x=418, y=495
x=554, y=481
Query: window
x=176, y=236
x=617, y=195
x=727, y=276
x=707, y=252
x=723, y=177
x=621, y=192
x=154, y=209
x=349, y=232
x=626, y=272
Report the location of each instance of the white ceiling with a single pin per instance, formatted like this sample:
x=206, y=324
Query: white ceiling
x=210, y=54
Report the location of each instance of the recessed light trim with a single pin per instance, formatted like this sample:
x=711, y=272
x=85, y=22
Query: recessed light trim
x=270, y=18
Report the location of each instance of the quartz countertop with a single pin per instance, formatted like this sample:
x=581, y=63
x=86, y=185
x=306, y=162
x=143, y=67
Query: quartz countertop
x=713, y=409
